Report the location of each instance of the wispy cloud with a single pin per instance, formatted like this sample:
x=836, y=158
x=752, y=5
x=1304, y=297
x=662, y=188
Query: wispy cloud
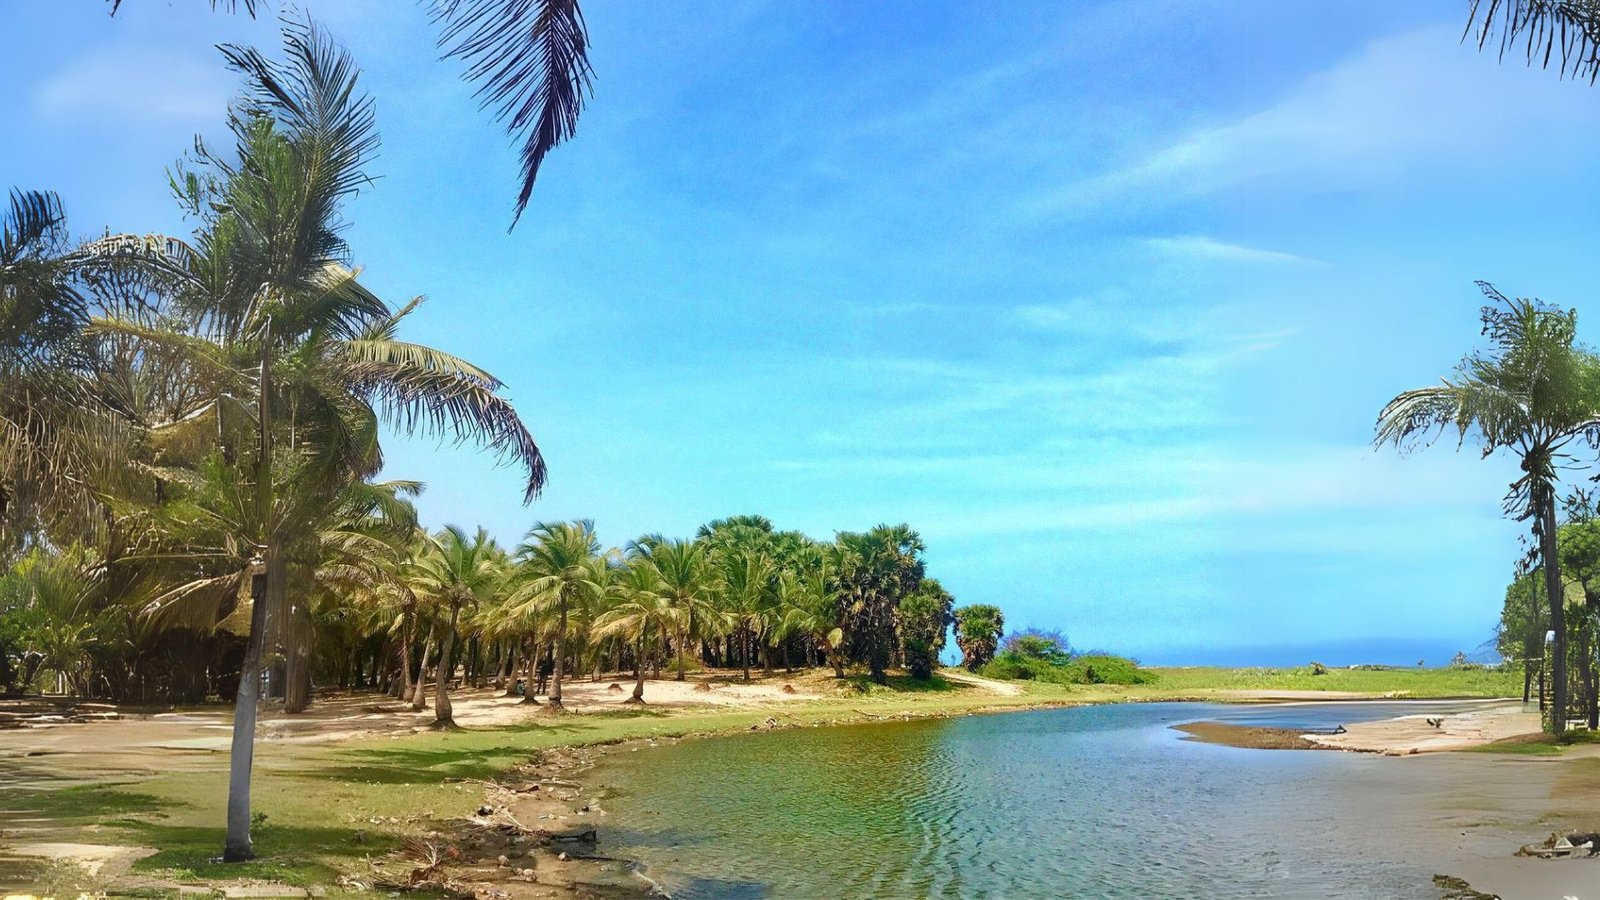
x=136, y=85
x=1197, y=246
x=1418, y=98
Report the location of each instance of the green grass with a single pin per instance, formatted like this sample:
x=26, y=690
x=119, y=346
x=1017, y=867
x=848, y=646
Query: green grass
x=1539, y=744
x=1418, y=682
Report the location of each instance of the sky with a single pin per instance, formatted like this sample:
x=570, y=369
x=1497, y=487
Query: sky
x=1101, y=298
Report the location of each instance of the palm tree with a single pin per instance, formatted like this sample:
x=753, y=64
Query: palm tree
x=284, y=343
x=55, y=440
x=747, y=594
x=529, y=59
x=876, y=570
x=688, y=586
x=456, y=572
x=639, y=612
x=559, y=568
x=1533, y=392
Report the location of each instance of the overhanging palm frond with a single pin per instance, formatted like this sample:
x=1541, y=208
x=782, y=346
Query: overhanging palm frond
x=530, y=61
x=1563, y=32
x=445, y=397
x=32, y=217
x=249, y=6
x=41, y=309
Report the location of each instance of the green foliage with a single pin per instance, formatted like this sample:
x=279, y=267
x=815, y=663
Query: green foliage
x=978, y=630
x=1087, y=669
x=875, y=572
x=923, y=619
x=1039, y=644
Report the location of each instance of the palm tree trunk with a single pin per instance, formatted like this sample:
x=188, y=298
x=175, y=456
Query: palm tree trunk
x=1590, y=677
x=1558, y=621
x=419, y=700
x=683, y=639
x=638, y=667
x=297, y=656
x=237, y=847
x=442, y=673
x=744, y=650
x=561, y=659
x=508, y=675
x=530, y=659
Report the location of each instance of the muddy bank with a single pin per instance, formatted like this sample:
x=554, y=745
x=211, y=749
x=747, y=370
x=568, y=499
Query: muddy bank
x=1251, y=737
x=533, y=836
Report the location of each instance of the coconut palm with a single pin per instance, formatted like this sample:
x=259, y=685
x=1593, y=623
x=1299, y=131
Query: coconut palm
x=559, y=568
x=688, y=586
x=638, y=613
x=1533, y=392
x=286, y=349
x=54, y=437
x=456, y=572
x=747, y=597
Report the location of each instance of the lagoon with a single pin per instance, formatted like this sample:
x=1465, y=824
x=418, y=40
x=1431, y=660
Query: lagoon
x=1098, y=801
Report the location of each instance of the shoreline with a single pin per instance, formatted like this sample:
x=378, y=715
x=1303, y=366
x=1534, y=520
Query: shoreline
x=821, y=702
x=578, y=761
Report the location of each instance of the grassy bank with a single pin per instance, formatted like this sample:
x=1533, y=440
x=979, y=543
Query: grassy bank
x=1416, y=683
x=331, y=808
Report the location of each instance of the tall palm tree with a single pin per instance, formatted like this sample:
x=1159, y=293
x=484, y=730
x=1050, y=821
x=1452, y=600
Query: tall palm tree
x=688, y=586
x=529, y=58
x=748, y=594
x=287, y=349
x=559, y=568
x=639, y=612
x=1533, y=392
x=459, y=573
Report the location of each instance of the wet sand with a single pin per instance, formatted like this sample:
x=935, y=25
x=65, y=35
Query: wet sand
x=1470, y=812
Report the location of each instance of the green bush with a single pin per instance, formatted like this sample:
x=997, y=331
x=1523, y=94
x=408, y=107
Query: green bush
x=1098, y=668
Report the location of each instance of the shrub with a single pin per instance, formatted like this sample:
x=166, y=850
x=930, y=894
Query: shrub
x=1097, y=668
x=1039, y=644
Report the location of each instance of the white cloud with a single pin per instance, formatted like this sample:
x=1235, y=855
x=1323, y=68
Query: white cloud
x=135, y=85
x=1416, y=99
x=1196, y=246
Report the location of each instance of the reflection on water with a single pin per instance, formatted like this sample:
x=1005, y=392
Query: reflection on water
x=1099, y=801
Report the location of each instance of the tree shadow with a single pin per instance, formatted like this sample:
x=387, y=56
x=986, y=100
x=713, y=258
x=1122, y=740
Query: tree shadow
x=291, y=854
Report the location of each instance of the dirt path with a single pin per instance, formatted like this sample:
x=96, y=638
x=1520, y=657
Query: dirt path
x=961, y=676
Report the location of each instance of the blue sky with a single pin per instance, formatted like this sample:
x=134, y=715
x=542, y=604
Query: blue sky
x=1102, y=298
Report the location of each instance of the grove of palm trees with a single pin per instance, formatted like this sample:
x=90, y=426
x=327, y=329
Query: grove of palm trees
x=191, y=504
x=1039, y=278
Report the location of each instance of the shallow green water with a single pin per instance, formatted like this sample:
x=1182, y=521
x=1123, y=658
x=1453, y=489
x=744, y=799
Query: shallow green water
x=1092, y=802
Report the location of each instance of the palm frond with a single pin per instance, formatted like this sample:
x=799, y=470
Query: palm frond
x=1563, y=32
x=445, y=398
x=312, y=94
x=530, y=60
